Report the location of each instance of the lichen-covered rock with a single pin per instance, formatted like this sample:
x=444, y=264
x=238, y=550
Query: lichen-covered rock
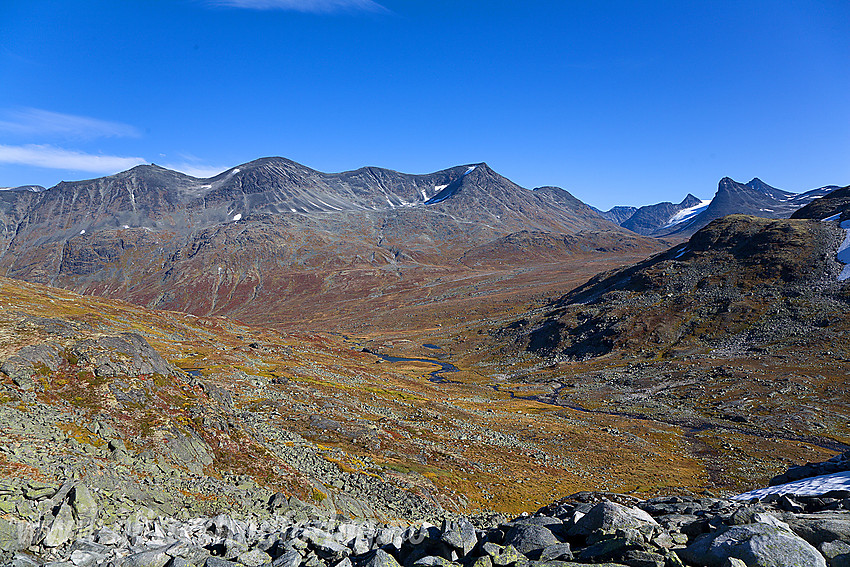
x=557, y=552
x=30, y=361
x=15, y=535
x=62, y=528
x=84, y=506
x=253, y=558
x=460, y=535
x=820, y=528
x=381, y=558
x=125, y=354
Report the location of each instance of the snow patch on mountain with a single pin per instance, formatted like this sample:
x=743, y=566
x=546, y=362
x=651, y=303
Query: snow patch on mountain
x=814, y=486
x=689, y=213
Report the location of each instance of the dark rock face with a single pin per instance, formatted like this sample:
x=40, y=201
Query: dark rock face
x=530, y=539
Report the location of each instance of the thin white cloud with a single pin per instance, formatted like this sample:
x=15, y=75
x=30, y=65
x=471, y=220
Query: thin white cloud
x=195, y=169
x=316, y=6
x=35, y=121
x=39, y=155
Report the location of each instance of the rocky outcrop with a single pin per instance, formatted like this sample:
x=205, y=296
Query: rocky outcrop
x=30, y=361
x=838, y=463
x=125, y=354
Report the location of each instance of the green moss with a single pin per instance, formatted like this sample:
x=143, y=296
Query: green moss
x=70, y=357
x=41, y=369
x=317, y=495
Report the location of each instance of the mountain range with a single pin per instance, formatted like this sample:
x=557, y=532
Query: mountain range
x=277, y=233
x=755, y=198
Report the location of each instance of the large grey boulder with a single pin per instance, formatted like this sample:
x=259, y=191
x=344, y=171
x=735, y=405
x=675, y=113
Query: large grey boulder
x=30, y=361
x=557, y=552
x=84, y=506
x=460, y=535
x=757, y=545
x=820, y=528
x=837, y=553
x=608, y=517
x=15, y=535
x=530, y=539
x=290, y=558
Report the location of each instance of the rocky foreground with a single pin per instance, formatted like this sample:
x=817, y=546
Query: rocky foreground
x=586, y=528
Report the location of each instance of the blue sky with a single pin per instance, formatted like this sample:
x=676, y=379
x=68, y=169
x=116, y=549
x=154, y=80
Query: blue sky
x=618, y=102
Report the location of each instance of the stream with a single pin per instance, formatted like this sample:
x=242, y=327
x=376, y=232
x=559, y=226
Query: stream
x=436, y=376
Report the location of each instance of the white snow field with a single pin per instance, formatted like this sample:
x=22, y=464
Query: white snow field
x=814, y=486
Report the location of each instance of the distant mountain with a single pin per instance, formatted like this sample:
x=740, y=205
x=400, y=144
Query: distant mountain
x=156, y=198
x=649, y=219
x=834, y=205
x=755, y=198
x=617, y=215
x=33, y=188
x=161, y=238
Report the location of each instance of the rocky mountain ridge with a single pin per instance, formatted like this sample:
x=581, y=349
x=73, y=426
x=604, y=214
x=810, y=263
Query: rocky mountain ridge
x=226, y=244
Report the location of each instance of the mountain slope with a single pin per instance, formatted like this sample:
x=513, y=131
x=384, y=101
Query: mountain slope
x=617, y=215
x=742, y=282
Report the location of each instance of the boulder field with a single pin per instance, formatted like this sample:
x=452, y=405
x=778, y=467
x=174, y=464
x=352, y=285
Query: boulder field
x=585, y=528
